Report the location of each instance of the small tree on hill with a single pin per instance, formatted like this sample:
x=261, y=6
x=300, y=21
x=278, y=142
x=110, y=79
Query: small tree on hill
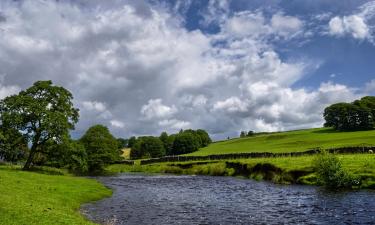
x=185, y=143
x=42, y=112
x=101, y=148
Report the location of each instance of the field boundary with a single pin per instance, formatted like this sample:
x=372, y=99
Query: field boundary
x=342, y=150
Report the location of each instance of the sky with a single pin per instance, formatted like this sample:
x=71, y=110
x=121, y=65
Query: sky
x=141, y=67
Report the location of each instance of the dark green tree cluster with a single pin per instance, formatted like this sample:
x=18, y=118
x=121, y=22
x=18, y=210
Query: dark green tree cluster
x=247, y=134
x=147, y=147
x=359, y=115
x=175, y=144
x=41, y=117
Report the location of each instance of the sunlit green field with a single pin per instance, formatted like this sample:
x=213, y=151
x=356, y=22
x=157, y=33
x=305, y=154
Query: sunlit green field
x=32, y=198
x=291, y=141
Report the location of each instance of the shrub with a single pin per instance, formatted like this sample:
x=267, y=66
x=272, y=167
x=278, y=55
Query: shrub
x=146, y=147
x=101, y=148
x=330, y=173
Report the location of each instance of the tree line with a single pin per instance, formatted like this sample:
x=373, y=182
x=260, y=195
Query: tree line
x=357, y=115
x=35, y=126
x=34, y=129
x=186, y=141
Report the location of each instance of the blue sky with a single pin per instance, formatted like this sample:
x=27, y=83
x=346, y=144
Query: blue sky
x=141, y=67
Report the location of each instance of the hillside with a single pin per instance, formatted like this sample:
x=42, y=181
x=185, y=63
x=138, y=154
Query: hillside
x=291, y=141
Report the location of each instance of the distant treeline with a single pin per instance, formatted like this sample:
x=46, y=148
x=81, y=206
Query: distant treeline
x=358, y=115
x=186, y=141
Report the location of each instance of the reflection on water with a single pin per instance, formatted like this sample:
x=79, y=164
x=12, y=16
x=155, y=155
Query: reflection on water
x=142, y=199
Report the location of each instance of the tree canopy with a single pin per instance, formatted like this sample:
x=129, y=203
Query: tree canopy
x=348, y=116
x=42, y=112
x=101, y=148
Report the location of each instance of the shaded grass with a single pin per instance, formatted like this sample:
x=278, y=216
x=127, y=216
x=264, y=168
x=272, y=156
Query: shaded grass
x=35, y=198
x=291, y=141
x=278, y=170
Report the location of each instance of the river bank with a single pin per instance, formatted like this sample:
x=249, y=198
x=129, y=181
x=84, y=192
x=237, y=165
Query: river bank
x=280, y=170
x=34, y=198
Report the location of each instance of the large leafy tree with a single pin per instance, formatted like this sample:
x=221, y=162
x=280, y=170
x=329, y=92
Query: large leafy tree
x=42, y=112
x=347, y=116
x=101, y=148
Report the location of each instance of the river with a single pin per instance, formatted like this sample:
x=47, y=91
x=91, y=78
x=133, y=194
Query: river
x=167, y=199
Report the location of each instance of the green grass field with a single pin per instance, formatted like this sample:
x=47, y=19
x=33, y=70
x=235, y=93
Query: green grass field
x=291, y=141
x=33, y=198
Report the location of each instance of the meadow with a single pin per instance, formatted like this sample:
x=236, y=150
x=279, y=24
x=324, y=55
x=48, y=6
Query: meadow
x=290, y=141
x=35, y=198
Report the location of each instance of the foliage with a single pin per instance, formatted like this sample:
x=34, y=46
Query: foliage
x=348, y=116
x=42, y=112
x=69, y=154
x=122, y=143
x=147, y=147
x=13, y=145
x=330, y=172
x=33, y=198
x=101, y=148
x=206, y=140
x=131, y=141
x=367, y=102
x=246, y=134
x=185, y=142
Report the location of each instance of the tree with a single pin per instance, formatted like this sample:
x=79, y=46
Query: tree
x=42, y=112
x=146, y=147
x=69, y=154
x=13, y=145
x=367, y=102
x=131, y=141
x=243, y=134
x=101, y=148
x=122, y=143
x=185, y=143
x=206, y=140
x=250, y=133
x=346, y=116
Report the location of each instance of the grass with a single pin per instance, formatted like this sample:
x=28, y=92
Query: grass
x=360, y=165
x=291, y=141
x=34, y=198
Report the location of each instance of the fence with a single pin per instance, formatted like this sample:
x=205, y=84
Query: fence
x=342, y=150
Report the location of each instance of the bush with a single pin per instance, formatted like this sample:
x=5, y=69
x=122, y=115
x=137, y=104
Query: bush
x=185, y=143
x=146, y=147
x=330, y=173
x=70, y=155
x=101, y=148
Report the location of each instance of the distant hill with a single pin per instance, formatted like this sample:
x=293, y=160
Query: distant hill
x=291, y=141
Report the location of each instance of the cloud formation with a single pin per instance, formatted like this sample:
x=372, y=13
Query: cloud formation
x=134, y=67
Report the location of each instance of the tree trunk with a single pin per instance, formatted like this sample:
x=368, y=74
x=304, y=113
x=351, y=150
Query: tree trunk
x=31, y=157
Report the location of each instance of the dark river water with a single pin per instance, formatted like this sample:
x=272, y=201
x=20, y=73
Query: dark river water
x=167, y=199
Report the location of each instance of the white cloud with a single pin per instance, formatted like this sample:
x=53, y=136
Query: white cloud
x=232, y=104
x=117, y=124
x=155, y=109
x=8, y=90
x=353, y=25
x=135, y=67
x=286, y=25
x=94, y=105
x=370, y=87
